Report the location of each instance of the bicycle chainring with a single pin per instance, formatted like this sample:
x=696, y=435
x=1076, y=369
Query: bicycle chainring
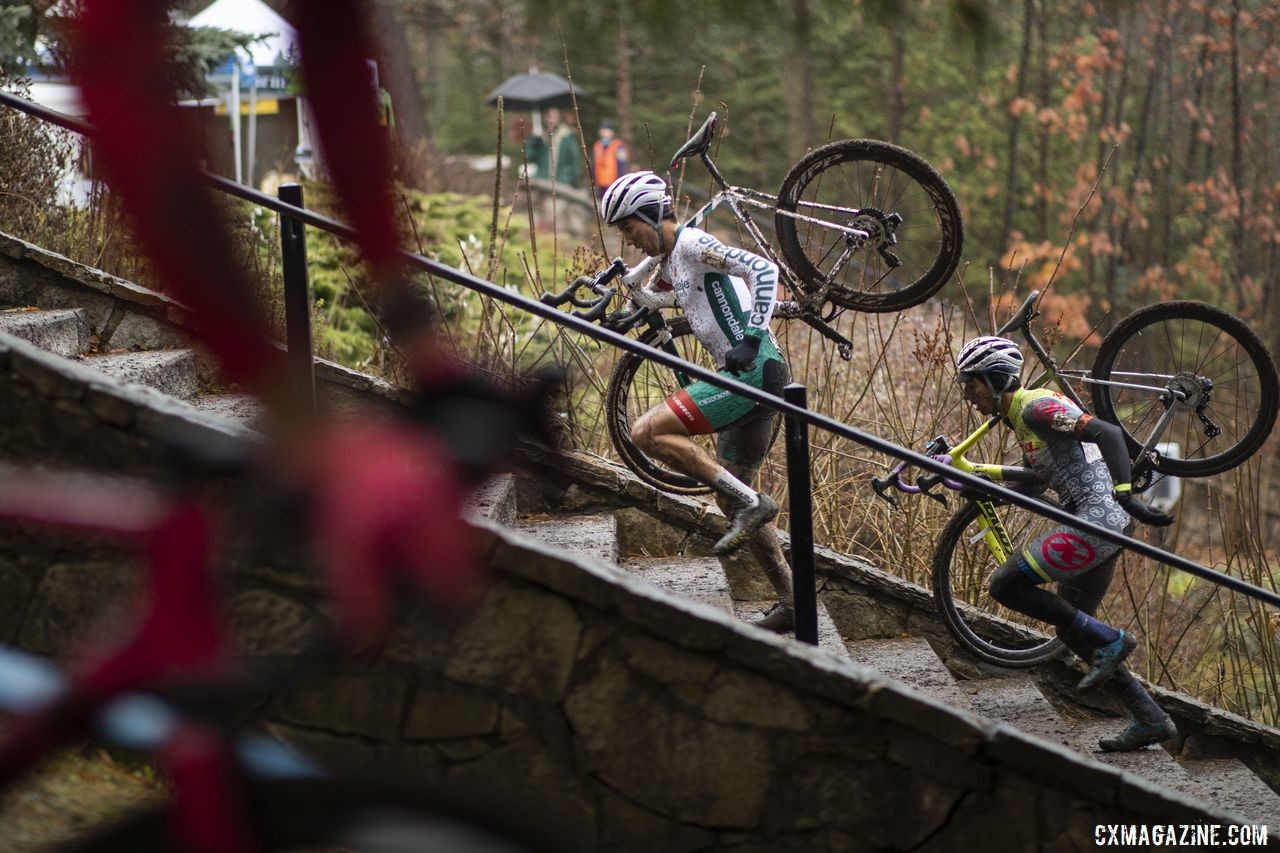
x=1144, y=474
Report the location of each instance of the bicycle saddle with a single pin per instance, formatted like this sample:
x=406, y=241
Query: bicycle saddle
x=697, y=143
x=1023, y=316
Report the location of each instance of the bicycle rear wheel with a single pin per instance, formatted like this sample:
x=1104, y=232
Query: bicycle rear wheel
x=907, y=209
x=962, y=569
x=322, y=815
x=1206, y=353
x=635, y=386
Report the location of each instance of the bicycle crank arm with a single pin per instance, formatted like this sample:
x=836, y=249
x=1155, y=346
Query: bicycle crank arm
x=843, y=345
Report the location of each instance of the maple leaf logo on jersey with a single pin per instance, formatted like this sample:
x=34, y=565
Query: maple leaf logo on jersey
x=1067, y=552
x=1055, y=414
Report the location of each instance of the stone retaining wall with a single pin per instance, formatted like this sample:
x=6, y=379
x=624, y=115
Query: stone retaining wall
x=640, y=721
x=859, y=594
x=635, y=719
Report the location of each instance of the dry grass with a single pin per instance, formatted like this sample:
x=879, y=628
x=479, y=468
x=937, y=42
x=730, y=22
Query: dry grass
x=1216, y=645
x=1213, y=644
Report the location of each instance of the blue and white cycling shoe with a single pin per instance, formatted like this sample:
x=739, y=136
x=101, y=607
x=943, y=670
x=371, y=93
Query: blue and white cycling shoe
x=1139, y=734
x=1107, y=658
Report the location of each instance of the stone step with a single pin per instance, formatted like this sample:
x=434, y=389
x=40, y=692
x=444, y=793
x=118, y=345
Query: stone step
x=1153, y=763
x=912, y=661
x=701, y=579
x=242, y=409
x=174, y=372
x=1232, y=785
x=593, y=535
x=496, y=499
x=829, y=638
x=1016, y=700
x=62, y=332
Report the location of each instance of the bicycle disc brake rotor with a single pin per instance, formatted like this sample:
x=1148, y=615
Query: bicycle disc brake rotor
x=881, y=232
x=1194, y=389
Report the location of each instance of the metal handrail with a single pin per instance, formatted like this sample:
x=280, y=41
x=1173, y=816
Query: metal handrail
x=631, y=345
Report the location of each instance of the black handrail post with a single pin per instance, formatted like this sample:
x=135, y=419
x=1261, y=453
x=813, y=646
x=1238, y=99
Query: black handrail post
x=803, y=581
x=297, y=296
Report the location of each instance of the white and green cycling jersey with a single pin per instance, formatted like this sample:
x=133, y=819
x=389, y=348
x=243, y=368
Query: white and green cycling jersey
x=725, y=293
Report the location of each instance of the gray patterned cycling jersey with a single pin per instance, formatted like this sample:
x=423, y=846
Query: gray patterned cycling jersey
x=725, y=292
x=1049, y=427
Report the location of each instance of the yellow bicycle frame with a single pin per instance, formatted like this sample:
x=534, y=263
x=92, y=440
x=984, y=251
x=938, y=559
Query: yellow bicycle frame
x=993, y=532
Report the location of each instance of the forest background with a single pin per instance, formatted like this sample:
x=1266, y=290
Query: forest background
x=1018, y=104
x=1124, y=150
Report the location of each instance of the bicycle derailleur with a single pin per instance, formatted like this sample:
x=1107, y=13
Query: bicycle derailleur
x=881, y=229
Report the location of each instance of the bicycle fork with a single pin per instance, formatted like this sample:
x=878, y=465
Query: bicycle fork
x=992, y=532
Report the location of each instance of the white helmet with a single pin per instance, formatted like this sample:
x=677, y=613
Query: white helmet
x=639, y=194
x=988, y=354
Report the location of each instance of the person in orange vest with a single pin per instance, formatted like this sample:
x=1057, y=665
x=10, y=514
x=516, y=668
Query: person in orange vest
x=608, y=158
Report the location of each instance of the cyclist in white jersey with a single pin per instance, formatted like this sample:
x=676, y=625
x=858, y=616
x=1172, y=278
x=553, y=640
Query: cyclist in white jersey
x=728, y=295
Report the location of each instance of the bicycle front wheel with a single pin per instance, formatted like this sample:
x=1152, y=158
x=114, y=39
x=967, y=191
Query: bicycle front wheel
x=636, y=385
x=909, y=214
x=1211, y=357
x=962, y=570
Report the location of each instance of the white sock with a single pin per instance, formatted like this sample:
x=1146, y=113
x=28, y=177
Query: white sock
x=733, y=488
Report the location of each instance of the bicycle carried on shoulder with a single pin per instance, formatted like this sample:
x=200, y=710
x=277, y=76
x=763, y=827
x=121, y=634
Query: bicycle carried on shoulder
x=860, y=224
x=1179, y=372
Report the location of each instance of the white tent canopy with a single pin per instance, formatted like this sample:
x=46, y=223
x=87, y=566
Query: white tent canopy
x=254, y=18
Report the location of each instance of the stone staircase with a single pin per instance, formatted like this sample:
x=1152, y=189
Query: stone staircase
x=1012, y=697
x=66, y=332
x=134, y=334
x=604, y=542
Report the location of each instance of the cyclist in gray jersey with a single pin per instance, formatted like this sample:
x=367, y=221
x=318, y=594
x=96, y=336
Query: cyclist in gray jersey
x=1085, y=462
x=728, y=296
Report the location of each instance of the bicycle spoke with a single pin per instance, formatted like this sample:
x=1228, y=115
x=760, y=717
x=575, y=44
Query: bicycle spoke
x=1206, y=357
x=637, y=386
x=886, y=193
x=963, y=567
